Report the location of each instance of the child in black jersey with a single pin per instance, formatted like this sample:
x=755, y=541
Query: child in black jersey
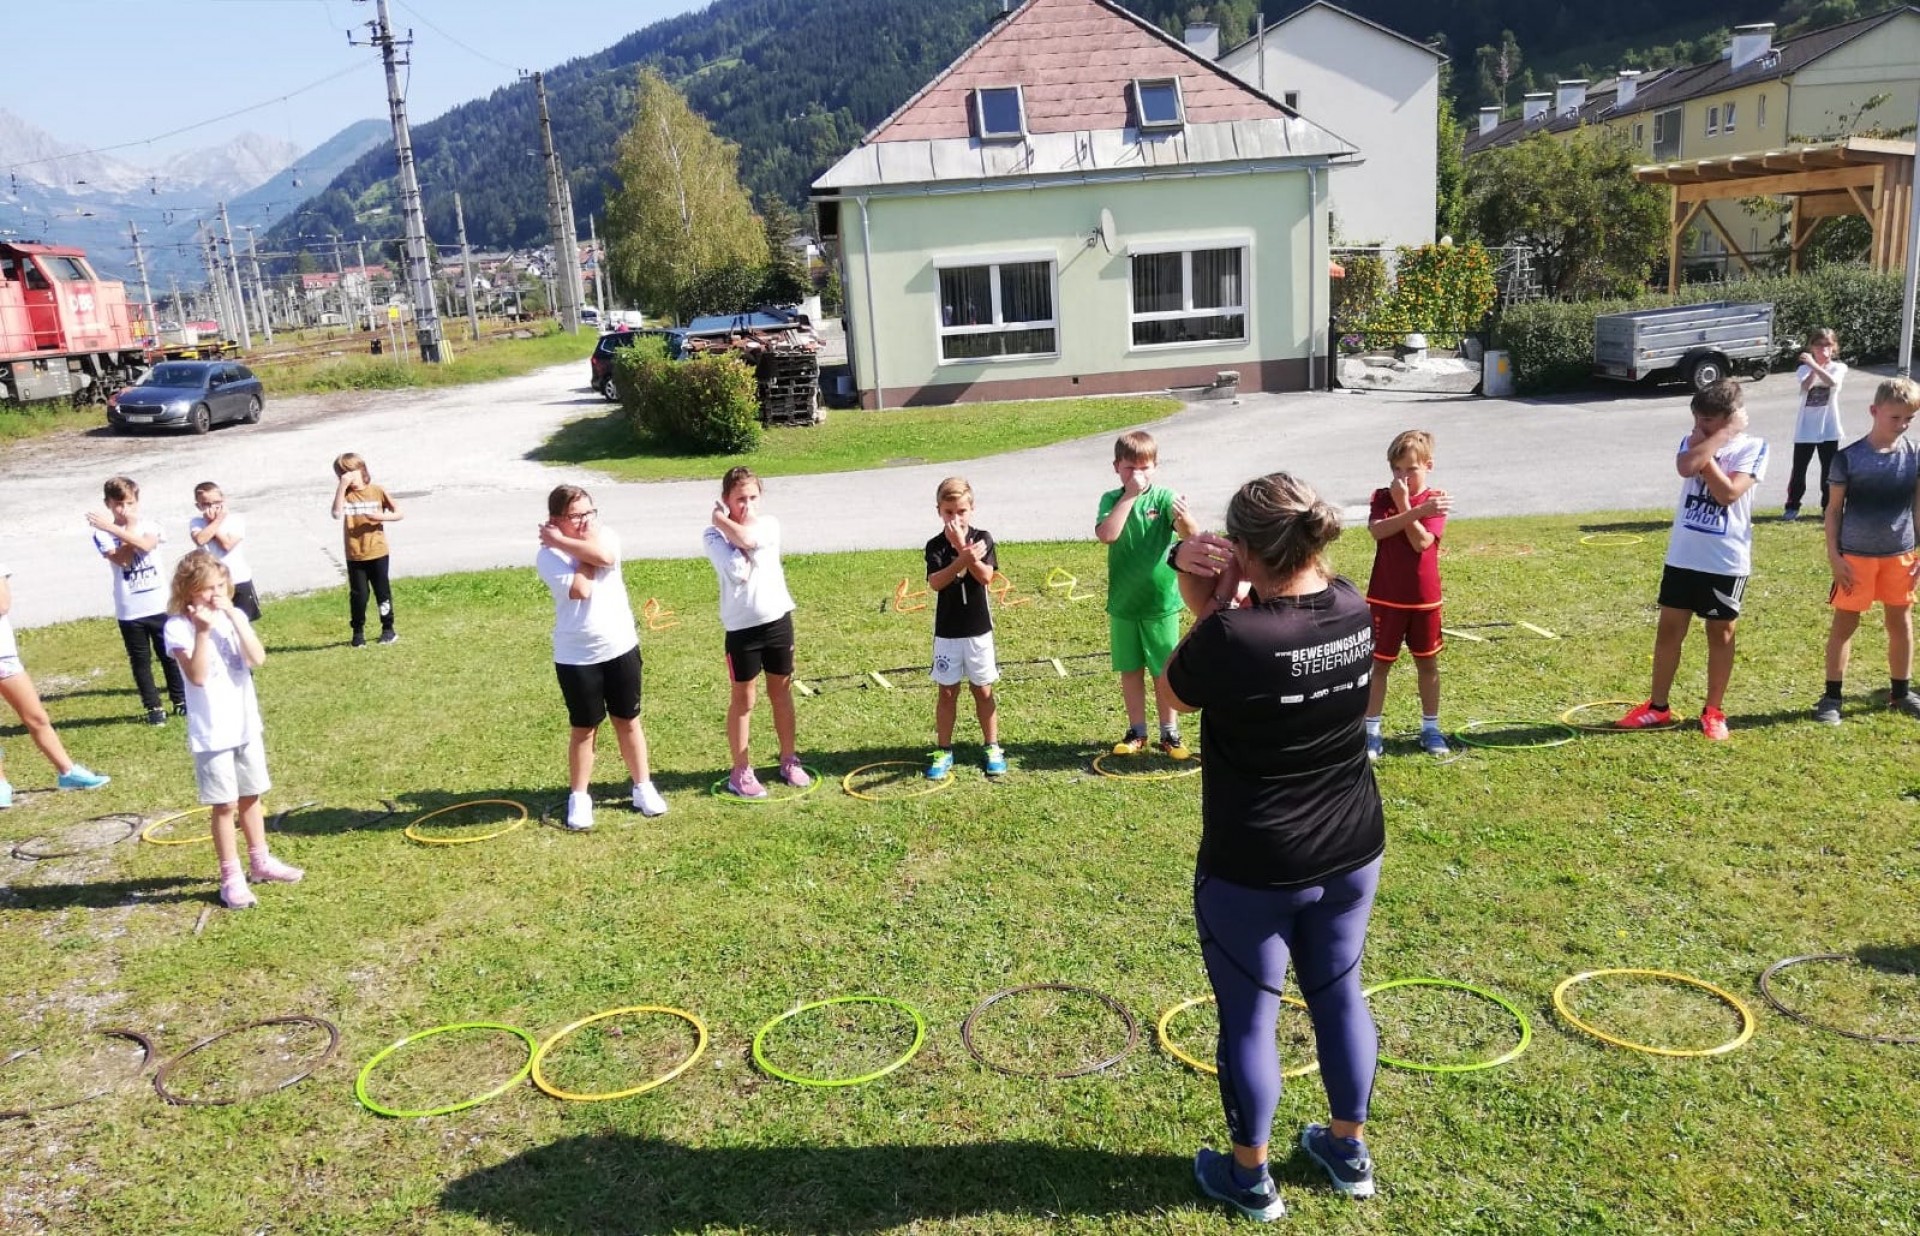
x=960, y=565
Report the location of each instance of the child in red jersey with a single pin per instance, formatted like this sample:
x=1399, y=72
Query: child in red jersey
x=1406, y=520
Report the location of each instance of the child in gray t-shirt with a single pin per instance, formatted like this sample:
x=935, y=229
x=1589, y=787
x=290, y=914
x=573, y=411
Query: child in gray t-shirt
x=1873, y=490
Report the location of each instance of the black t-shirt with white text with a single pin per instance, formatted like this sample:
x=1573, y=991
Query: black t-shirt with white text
x=960, y=609
x=1287, y=795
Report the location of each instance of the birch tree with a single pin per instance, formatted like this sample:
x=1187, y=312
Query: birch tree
x=679, y=209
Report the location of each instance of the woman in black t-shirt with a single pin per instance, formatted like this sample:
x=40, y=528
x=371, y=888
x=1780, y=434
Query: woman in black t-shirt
x=1292, y=832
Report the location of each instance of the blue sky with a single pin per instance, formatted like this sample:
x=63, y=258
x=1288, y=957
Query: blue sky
x=104, y=72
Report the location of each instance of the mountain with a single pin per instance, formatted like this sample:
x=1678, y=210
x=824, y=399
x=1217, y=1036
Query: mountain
x=36, y=158
x=226, y=171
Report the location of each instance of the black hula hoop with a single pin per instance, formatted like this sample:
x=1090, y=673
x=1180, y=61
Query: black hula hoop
x=1766, y=989
x=1133, y=1030
x=132, y=1036
x=131, y=819
x=165, y=1070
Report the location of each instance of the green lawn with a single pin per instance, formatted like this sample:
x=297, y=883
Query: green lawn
x=852, y=440
x=486, y=361
x=1509, y=870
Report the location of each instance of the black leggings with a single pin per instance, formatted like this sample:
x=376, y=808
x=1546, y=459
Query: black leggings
x=1803, y=452
x=145, y=639
x=360, y=577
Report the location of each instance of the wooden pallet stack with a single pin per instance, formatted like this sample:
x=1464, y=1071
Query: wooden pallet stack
x=789, y=386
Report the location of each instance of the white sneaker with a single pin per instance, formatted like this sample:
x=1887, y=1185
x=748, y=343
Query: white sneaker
x=647, y=800
x=579, y=812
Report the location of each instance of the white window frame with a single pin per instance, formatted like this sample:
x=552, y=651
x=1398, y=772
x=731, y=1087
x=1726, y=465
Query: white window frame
x=1639, y=133
x=1760, y=116
x=1670, y=122
x=1713, y=120
x=1140, y=112
x=980, y=114
x=1727, y=117
x=994, y=261
x=1291, y=100
x=1187, y=248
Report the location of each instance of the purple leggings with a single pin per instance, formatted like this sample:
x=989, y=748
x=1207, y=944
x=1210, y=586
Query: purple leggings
x=1246, y=938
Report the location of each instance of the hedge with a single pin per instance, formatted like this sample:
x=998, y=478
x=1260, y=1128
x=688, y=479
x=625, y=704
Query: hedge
x=1551, y=342
x=710, y=404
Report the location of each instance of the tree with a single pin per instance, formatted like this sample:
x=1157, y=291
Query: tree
x=1495, y=67
x=679, y=210
x=1594, y=230
x=1450, y=165
x=785, y=281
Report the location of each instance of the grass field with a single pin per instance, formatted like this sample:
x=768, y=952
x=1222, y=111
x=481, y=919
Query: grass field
x=852, y=440
x=1510, y=870
x=486, y=361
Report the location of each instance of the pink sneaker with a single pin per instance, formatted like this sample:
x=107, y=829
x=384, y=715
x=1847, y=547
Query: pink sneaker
x=793, y=774
x=1713, y=723
x=266, y=869
x=743, y=784
x=235, y=895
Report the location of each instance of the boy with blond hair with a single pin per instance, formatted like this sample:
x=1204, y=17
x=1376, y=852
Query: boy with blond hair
x=1709, y=554
x=1138, y=523
x=1407, y=520
x=1874, y=490
x=960, y=566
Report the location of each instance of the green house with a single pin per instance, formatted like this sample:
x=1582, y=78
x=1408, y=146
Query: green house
x=1082, y=205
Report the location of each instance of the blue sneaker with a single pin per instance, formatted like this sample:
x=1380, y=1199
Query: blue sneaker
x=1376, y=747
x=6, y=795
x=80, y=777
x=940, y=765
x=1344, y=1159
x=1433, y=742
x=1213, y=1172
x=996, y=761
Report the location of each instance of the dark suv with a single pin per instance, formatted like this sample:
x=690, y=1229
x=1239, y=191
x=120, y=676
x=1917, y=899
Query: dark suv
x=601, y=362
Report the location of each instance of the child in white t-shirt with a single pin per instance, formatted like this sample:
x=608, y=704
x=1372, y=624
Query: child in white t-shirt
x=16, y=688
x=131, y=547
x=219, y=529
x=217, y=651
x=1817, y=429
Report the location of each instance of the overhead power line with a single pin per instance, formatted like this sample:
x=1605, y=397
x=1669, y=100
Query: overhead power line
x=471, y=51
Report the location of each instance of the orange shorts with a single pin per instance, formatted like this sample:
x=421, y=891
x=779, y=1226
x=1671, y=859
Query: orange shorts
x=1886, y=580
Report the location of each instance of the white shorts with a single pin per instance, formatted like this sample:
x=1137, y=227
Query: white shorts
x=965, y=660
x=231, y=775
x=10, y=667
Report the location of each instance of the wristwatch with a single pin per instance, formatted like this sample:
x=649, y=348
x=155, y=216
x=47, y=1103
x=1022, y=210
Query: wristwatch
x=1173, y=555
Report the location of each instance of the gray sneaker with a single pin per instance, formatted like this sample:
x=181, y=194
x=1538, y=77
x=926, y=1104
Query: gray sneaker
x=1908, y=704
x=1213, y=1172
x=1827, y=711
x=1344, y=1159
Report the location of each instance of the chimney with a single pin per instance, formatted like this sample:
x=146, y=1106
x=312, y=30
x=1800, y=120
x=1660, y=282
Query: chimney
x=1749, y=44
x=1568, y=99
x=1203, y=40
x=1629, y=88
x=1534, y=106
x=1489, y=119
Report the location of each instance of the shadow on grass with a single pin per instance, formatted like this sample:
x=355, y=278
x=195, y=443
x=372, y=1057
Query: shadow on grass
x=612, y=1183
x=1902, y=959
x=590, y=438
x=82, y=723
x=1641, y=526
x=106, y=894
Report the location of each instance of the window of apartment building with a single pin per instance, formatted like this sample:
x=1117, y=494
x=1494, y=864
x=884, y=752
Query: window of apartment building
x=998, y=114
x=1639, y=135
x=1713, y=120
x=1726, y=125
x=1189, y=296
x=1666, y=134
x=1760, y=113
x=996, y=309
x=1292, y=99
x=1157, y=104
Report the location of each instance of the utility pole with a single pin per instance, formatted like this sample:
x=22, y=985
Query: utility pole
x=146, y=289
x=557, y=226
x=259, y=288
x=179, y=313
x=466, y=268
x=572, y=265
x=215, y=283
x=426, y=317
x=233, y=271
x=599, y=272
x=366, y=284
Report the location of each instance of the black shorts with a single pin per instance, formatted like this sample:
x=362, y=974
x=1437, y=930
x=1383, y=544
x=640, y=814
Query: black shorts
x=246, y=600
x=594, y=691
x=1713, y=597
x=768, y=647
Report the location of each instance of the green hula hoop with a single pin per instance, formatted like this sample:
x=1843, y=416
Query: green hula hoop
x=800, y=1079
x=1512, y=1009
x=719, y=790
x=1466, y=736
x=366, y=1100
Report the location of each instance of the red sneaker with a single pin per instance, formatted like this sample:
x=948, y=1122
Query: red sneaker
x=1645, y=717
x=1713, y=723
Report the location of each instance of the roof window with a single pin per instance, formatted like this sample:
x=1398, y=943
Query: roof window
x=999, y=114
x=1157, y=104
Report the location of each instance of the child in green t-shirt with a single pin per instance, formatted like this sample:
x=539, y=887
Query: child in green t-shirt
x=1138, y=523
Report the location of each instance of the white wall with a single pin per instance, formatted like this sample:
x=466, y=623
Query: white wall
x=1376, y=91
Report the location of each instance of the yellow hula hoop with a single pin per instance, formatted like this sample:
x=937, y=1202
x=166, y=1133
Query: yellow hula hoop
x=413, y=835
x=540, y=1054
x=932, y=787
x=1173, y=1049
x=1607, y=727
x=1747, y=1023
x=1161, y=776
x=1610, y=540
x=146, y=834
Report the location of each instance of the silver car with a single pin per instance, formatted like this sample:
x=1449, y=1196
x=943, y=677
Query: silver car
x=189, y=394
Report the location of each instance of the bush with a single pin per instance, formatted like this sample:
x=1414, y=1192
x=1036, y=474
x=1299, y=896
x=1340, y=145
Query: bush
x=1551, y=343
x=710, y=404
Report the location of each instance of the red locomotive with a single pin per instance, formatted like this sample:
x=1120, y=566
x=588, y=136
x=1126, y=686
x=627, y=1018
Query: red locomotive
x=64, y=331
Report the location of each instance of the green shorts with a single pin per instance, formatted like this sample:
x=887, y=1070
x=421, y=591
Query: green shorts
x=1143, y=643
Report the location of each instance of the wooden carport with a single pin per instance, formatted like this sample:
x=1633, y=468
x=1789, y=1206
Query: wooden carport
x=1867, y=176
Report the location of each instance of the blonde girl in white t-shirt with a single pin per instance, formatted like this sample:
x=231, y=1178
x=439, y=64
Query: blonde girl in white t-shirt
x=217, y=651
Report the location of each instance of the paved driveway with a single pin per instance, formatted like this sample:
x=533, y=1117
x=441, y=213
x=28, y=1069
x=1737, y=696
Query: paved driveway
x=456, y=461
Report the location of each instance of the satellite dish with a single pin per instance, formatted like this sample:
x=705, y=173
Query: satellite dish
x=1107, y=234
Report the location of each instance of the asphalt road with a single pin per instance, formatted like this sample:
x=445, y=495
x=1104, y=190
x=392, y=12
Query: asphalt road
x=456, y=461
